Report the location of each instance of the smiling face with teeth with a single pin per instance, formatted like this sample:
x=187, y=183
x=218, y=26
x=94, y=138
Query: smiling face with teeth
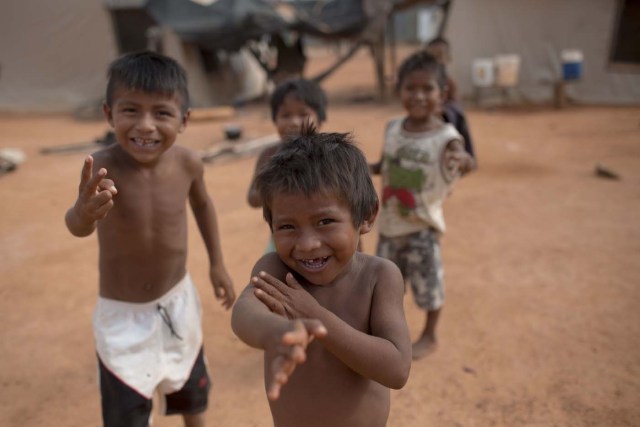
x=145, y=124
x=315, y=235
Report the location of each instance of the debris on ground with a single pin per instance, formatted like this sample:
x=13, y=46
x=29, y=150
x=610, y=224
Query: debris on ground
x=10, y=158
x=604, y=172
x=234, y=149
x=212, y=113
x=107, y=139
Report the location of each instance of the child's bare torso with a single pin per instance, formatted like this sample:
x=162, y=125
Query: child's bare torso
x=323, y=391
x=143, y=239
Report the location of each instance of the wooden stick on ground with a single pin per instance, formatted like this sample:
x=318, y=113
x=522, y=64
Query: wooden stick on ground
x=239, y=149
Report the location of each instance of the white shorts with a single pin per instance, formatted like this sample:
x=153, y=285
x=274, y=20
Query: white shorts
x=153, y=345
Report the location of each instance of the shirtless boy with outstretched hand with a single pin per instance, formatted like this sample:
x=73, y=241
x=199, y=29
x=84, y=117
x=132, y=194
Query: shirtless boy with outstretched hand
x=147, y=322
x=330, y=319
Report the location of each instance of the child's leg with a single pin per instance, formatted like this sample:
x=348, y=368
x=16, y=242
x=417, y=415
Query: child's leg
x=196, y=420
x=427, y=342
x=418, y=257
x=191, y=401
x=121, y=405
x=424, y=271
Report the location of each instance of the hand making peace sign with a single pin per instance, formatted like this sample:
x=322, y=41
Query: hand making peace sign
x=95, y=198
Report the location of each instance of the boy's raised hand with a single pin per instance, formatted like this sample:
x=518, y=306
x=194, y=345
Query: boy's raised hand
x=95, y=200
x=289, y=350
x=95, y=193
x=288, y=299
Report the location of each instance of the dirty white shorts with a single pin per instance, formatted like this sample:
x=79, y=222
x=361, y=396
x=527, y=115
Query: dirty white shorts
x=153, y=345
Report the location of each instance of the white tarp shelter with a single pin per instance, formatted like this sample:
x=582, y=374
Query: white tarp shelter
x=54, y=57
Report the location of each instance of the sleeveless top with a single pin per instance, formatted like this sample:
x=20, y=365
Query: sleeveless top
x=414, y=180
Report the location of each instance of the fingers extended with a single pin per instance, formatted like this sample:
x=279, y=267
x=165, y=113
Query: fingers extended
x=87, y=171
x=298, y=336
x=292, y=282
x=272, y=281
x=315, y=328
x=91, y=187
x=270, y=302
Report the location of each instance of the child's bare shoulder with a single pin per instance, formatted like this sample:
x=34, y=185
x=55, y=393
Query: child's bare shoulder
x=374, y=261
x=272, y=264
x=186, y=154
x=270, y=151
x=105, y=157
x=380, y=268
x=267, y=153
x=189, y=159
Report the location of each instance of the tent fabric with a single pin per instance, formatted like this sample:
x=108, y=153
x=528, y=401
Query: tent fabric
x=333, y=18
x=224, y=24
x=229, y=24
x=53, y=54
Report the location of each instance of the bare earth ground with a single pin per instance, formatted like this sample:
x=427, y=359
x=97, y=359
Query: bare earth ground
x=541, y=326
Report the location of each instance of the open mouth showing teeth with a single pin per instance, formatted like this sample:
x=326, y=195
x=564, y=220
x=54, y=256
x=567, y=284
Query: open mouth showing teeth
x=145, y=143
x=314, y=263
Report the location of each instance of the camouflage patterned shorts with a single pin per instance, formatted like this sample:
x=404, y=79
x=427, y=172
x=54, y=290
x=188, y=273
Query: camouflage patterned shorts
x=418, y=257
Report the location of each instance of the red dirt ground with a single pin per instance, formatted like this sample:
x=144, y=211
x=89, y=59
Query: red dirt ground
x=541, y=325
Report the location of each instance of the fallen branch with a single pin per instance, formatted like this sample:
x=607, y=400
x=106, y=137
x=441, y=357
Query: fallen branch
x=239, y=149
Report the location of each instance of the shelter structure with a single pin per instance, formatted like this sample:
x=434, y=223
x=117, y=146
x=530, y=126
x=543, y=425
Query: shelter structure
x=537, y=31
x=54, y=55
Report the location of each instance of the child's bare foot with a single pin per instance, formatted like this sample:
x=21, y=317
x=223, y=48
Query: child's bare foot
x=423, y=347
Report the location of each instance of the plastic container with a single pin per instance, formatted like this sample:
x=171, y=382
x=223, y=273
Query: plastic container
x=571, y=64
x=483, y=72
x=508, y=68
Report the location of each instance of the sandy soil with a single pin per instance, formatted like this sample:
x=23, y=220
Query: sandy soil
x=540, y=327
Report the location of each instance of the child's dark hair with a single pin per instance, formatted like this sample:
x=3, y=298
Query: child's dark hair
x=438, y=40
x=148, y=72
x=306, y=91
x=320, y=162
x=422, y=61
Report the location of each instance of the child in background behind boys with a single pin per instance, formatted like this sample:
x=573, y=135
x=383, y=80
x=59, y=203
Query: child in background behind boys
x=452, y=111
x=147, y=322
x=293, y=103
x=421, y=159
x=439, y=48
x=330, y=319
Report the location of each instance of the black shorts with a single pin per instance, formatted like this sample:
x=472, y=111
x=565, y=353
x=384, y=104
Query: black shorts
x=124, y=407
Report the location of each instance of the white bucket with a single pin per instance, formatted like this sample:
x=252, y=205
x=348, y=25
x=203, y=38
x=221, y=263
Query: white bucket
x=482, y=72
x=508, y=67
